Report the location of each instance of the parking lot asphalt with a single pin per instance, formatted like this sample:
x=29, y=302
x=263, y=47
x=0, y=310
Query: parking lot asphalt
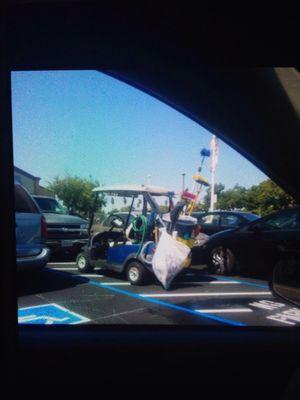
x=104, y=297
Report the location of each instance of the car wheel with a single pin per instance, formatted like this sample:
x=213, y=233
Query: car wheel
x=136, y=273
x=83, y=263
x=222, y=261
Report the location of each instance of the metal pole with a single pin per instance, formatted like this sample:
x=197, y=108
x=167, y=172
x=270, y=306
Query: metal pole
x=212, y=170
x=183, y=181
x=92, y=215
x=212, y=191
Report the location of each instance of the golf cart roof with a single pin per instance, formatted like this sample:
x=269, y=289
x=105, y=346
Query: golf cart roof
x=130, y=190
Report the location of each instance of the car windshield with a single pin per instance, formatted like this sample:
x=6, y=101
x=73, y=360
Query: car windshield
x=287, y=220
x=116, y=156
x=50, y=205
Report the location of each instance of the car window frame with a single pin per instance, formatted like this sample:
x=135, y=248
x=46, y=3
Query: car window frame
x=240, y=219
x=211, y=213
x=33, y=207
x=60, y=207
x=262, y=220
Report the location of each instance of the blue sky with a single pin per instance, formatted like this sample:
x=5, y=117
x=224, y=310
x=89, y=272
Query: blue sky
x=87, y=123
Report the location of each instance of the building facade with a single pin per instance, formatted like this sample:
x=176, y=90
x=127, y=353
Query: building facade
x=31, y=183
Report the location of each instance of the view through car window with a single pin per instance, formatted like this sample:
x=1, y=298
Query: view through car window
x=128, y=212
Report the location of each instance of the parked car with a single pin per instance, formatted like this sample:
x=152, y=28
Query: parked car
x=66, y=233
x=256, y=247
x=31, y=232
x=105, y=225
x=217, y=221
x=198, y=214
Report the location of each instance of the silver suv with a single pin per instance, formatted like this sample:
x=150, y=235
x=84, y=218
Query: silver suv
x=31, y=232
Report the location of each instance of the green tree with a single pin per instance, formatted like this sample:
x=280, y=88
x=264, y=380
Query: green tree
x=232, y=198
x=267, y=197
x=76, y=192
x=219, y=188
x=260, y=199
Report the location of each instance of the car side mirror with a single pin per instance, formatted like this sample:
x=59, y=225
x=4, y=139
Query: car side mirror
x=286, y=280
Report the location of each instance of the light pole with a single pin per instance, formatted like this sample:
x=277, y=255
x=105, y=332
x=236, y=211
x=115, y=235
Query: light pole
x=214, y=146
x=183, y=181
x=212, y=191
x=148, y=179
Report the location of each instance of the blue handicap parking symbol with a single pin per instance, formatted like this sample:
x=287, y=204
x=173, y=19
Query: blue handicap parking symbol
x=49, y=314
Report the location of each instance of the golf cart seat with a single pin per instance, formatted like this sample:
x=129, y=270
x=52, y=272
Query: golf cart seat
x=101, y=242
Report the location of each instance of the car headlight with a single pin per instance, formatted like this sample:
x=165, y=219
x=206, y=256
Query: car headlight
x=84, y=226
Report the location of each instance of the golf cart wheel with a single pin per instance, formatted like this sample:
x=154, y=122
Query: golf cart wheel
x=136, y=273
x=83, y=263
x=222, y=261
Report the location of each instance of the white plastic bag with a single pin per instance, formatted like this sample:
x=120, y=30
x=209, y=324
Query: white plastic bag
x=169, y=258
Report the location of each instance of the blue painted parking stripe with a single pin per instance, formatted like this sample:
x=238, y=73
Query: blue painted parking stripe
x=48, y=314
x=223, y=278
x=148, y=299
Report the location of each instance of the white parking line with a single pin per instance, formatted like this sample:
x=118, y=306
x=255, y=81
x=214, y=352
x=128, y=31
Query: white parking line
x=280, y=320
x=116, y=283
x=70, y=268
x=210, y=283
x=225, y=282
x=225, y=310
x=91, y=276
x=61, y=263
x=207, y=294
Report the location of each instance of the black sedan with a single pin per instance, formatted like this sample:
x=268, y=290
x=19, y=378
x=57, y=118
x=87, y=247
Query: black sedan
x=217, y=221
x=256, y=247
